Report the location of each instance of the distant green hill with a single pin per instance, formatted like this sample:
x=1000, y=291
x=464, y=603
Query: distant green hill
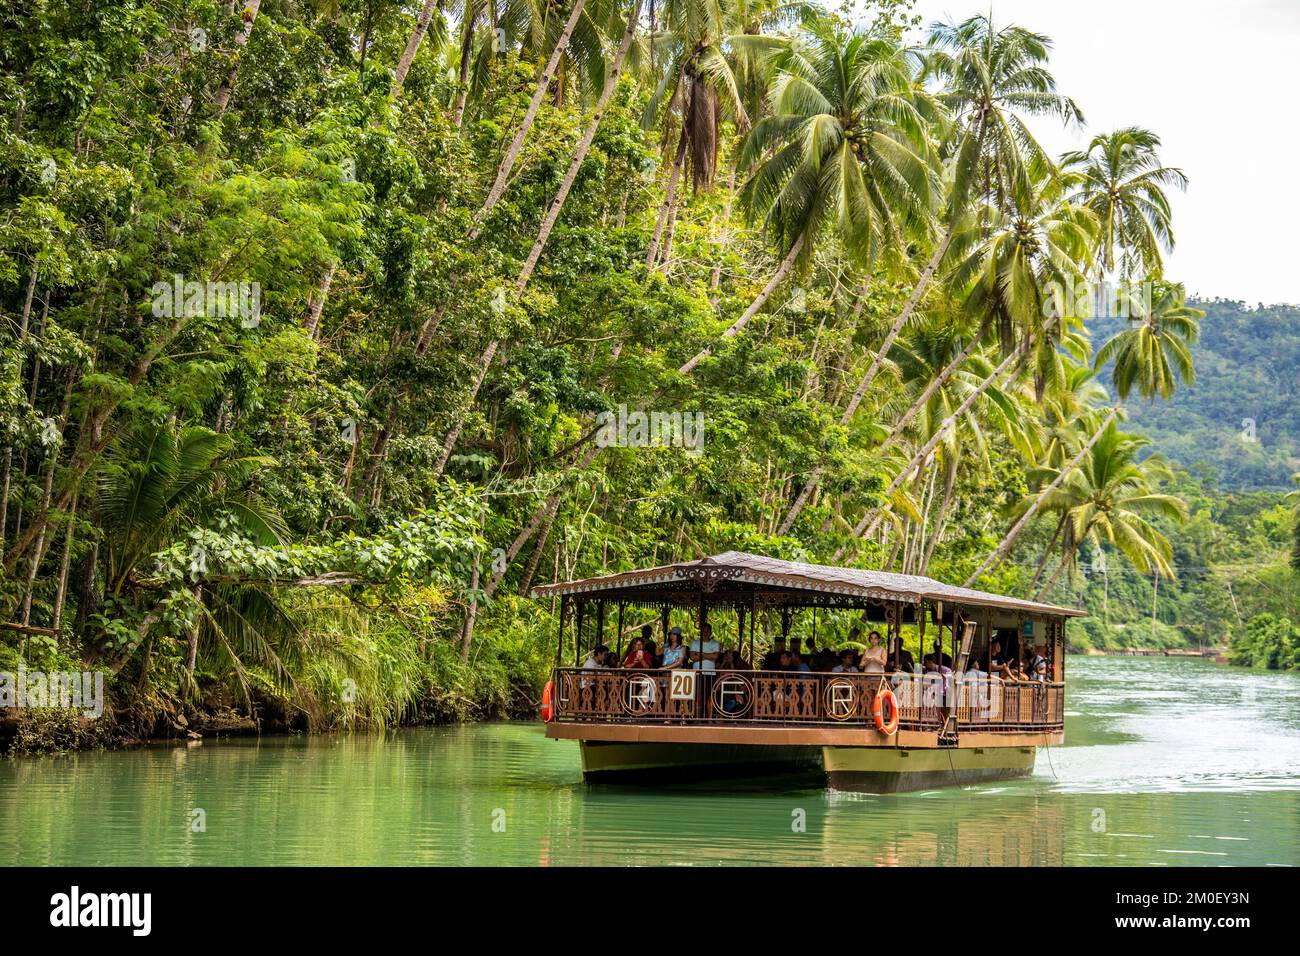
x=1248, y=370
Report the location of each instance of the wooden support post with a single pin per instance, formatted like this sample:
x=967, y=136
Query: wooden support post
x=559, y=640
x=577, y=634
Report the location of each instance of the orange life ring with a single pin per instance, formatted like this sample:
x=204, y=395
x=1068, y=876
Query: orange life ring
x=878, y=712
x=548, y=708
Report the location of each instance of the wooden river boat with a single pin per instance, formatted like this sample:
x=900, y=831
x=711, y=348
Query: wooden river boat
x=902, y=729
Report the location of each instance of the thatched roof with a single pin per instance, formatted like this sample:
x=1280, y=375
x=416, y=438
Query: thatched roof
x=737, y=568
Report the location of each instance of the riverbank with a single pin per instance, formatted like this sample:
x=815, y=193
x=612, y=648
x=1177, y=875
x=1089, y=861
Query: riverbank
x=127, y=715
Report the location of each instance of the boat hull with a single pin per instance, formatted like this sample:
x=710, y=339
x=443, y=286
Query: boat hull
x=900, y=769
x=852, y=769
x=616, y=762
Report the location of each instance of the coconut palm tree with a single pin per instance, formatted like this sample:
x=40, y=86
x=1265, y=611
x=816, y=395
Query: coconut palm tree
x=844, y=154
x=1147, y=356
x=707, y=62
x=989, y=75
x=498, y=188
x=1153, y=354
x=423, y=22
x=1110, y=499
x=1120, y=178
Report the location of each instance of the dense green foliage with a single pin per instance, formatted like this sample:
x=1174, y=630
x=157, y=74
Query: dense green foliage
x=313, y=310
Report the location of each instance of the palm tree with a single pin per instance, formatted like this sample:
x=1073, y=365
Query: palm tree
x=1120, y=178
x=1154, y=354
x=989, y=75
x=695, y=72
x=588, y=42
x=158, y=483
x=1110, y=498
x=844, y=153
x=422, y=23
x=471, y=17
x=1042, y=242
x=1147, y=356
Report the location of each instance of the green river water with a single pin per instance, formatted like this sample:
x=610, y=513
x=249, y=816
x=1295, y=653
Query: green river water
x=1167, y=762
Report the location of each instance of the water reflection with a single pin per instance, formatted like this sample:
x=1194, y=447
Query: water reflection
x=1169, y=762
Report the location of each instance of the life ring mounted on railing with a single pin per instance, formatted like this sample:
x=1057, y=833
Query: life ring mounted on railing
x=548, y=703
x=885, y=700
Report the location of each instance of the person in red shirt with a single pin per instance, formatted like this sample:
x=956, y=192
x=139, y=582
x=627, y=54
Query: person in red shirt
x=637, y=655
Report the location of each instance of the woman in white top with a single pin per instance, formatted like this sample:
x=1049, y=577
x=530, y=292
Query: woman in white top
x=873, y=658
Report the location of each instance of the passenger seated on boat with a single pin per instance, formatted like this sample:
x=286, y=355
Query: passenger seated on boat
x=772, y=659
x=999, y=666
x=652, y=649
x=940, y=656
x=731, y=660
x=825, y=661
x=1037, y=669
x=845, y=666
x=704, y=649
x=797, y=662
x=674, y=650
x=637, y=655
x=596, y=657
x=900, y=659
x=932, y=665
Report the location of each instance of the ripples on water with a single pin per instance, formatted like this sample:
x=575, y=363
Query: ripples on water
x=1168, y=762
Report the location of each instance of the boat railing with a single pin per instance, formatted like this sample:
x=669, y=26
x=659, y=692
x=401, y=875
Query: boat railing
x=679, y=696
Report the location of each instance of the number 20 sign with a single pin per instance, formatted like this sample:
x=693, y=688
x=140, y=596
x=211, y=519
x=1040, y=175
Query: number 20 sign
x=681, y=685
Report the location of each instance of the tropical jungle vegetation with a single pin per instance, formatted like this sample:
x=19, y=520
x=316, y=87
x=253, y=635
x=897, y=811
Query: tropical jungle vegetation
x=311, y=310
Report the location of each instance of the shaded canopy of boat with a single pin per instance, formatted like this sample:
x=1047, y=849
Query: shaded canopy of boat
x=734, y=577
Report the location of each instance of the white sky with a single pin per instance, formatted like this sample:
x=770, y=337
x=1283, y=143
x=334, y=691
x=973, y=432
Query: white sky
x=1217, y=80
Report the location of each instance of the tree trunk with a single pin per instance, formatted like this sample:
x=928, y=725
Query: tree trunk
x=949, y=482
x=412, y=47
x=9, y=449
x=1047, y=552
x=1065, y=561
x=531, y=570
x=62, y=593
x=466, y=54
x=935, y=384
x=222, y=98
x=512, y=153
x=584, y=144
x=467, y=630
x=897, y=327
x=316, y=304
x=667, y=207
x=1001, y=550
x=754, y=306
x=449, y=443
x=937, y=437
